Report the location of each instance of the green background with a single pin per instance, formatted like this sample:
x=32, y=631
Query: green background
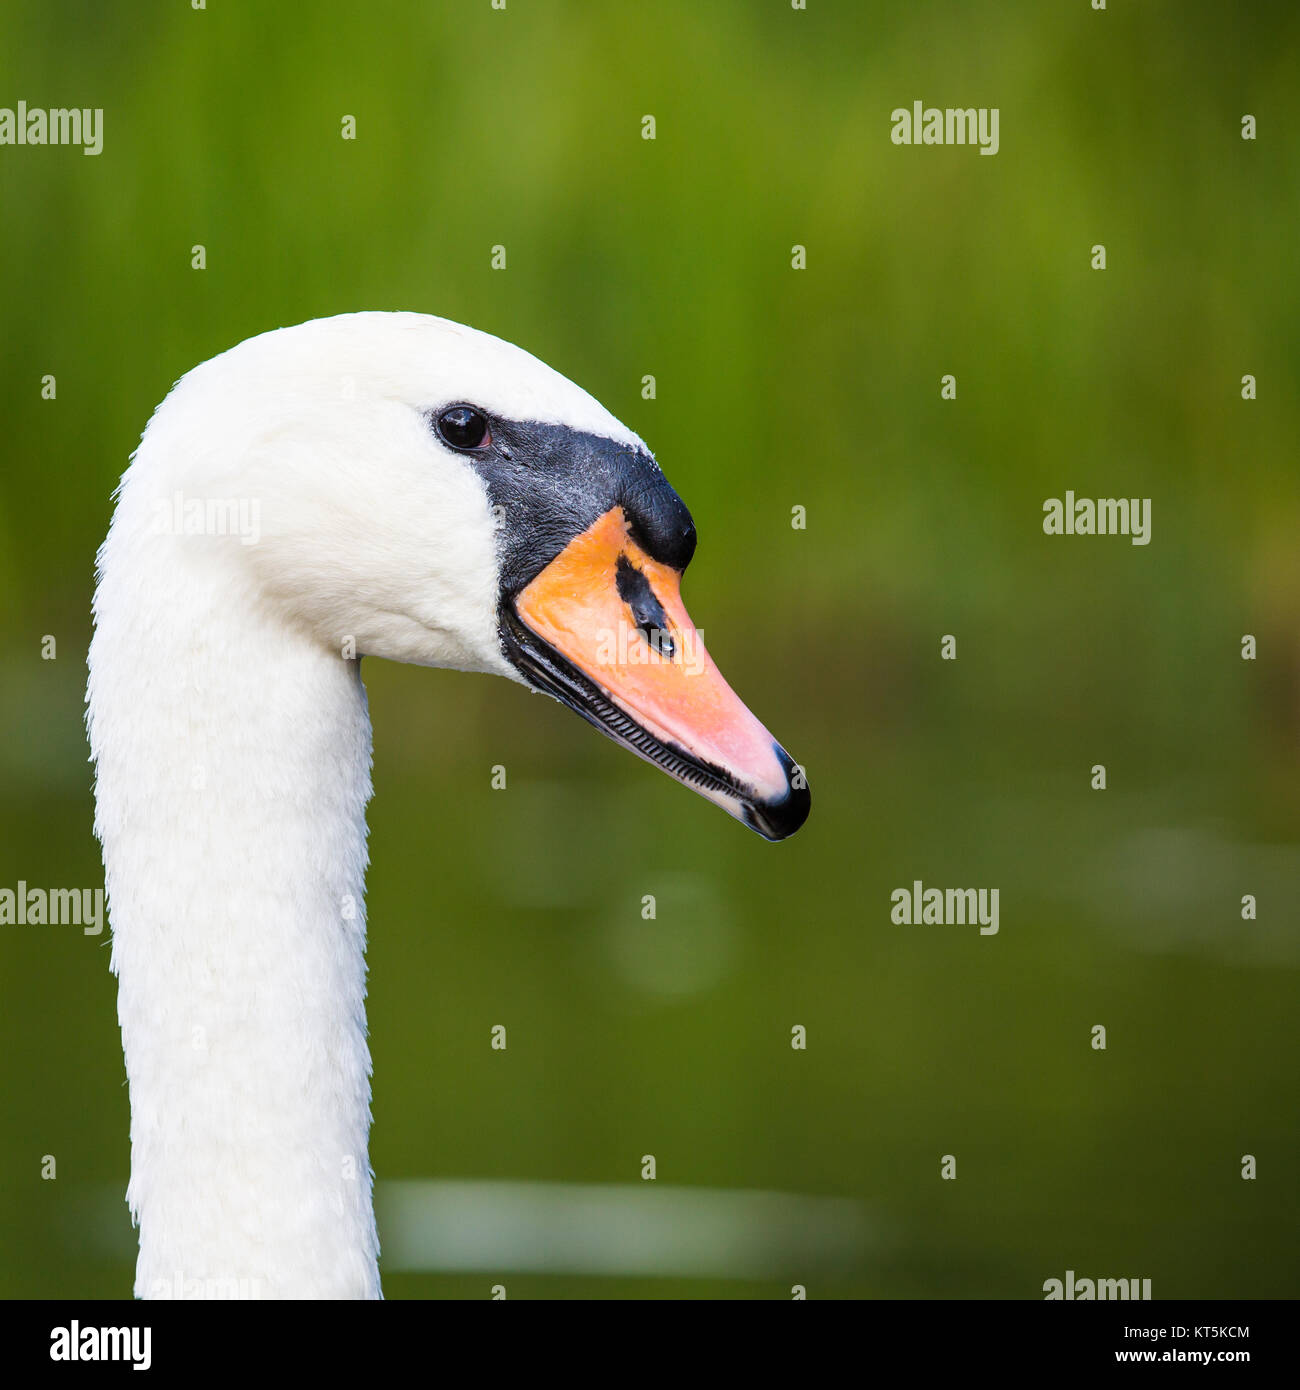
x=776, y=388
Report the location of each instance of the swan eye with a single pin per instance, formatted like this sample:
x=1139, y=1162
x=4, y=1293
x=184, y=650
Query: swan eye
x=463, y=427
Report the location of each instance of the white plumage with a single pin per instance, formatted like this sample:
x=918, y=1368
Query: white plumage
x=232, y=750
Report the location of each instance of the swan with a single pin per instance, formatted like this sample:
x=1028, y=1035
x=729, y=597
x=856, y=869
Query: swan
x=372, y=484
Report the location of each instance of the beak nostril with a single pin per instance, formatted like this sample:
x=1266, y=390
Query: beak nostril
x=647, y=612
x=659, y=640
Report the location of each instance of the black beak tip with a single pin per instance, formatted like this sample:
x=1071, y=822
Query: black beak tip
x=778, y=820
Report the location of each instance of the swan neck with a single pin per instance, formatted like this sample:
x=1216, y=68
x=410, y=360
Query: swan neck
x=232, y=757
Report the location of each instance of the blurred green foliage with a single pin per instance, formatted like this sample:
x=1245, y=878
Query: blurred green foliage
x=775, y=388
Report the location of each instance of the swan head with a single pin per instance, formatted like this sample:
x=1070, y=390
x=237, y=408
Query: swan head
x=418, y=490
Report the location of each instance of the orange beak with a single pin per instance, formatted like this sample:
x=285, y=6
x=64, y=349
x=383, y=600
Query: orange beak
x=603, y=629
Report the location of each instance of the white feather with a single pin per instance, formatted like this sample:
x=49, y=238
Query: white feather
x=232, y=750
